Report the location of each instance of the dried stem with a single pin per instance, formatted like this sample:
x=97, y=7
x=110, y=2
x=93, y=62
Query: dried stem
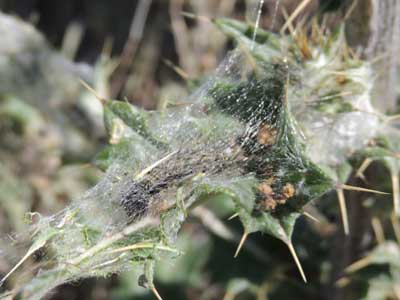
x=365, y=164
x=181, y=36
x=295, y=14
x=343, y=210
x=378, y=230
x=131, y=45
x=358, y=265
x=396, y=193
x=396, y=227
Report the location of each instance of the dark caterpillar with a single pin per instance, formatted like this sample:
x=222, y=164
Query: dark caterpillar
x=145, y=196
x=135, y=200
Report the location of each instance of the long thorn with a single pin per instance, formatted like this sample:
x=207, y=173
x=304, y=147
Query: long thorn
x=151, y=167
x=311, y=217
x=396, y=193
x=190, y=15
x=343, y=211
x=241, y=243
x=360, y=264
x=360, y=189
x=27, y=255
x=297, y=261
x=92, y=90
x=155, y=292
x=184, y=75
x=342, y=282
x=233, y=216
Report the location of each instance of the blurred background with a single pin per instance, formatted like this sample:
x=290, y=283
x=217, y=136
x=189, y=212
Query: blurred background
x=146, y=52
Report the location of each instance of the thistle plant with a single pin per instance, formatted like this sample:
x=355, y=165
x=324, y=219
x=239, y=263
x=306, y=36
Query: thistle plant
x=283, y=120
